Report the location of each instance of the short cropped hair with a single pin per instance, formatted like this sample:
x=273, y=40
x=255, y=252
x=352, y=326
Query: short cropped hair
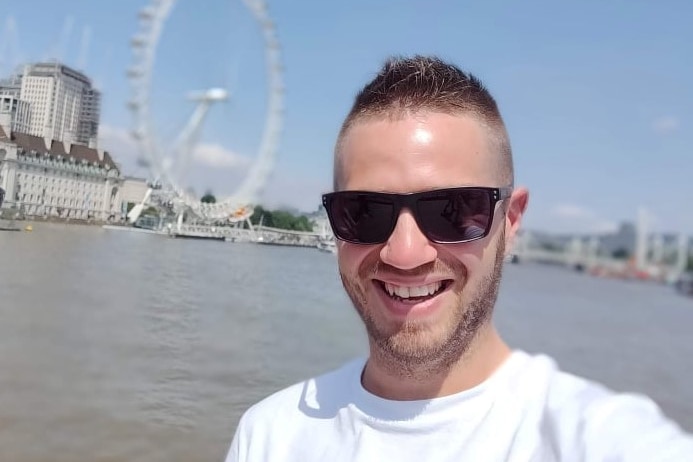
x=424, y=83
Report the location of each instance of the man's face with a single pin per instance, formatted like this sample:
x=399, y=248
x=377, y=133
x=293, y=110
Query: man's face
x=421, y=302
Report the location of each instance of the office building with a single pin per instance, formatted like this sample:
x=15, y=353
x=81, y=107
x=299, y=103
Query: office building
x=63, y=104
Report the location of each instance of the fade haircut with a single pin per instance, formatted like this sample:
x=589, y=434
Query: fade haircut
x=423, y=83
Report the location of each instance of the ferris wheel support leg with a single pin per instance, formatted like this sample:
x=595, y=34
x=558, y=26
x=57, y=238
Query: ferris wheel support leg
x=135, y=212
x=250, y=225
x=179, y=222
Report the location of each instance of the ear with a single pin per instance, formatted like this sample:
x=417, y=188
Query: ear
x=513, y=217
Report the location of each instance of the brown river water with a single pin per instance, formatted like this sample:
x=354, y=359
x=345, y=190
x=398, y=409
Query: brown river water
x=119, y=346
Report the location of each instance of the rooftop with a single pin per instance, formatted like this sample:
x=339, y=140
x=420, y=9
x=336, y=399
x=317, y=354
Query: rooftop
x=31, y=143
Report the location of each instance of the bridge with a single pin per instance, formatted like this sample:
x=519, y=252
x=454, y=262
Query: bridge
x=580, y=261
x=599, y=265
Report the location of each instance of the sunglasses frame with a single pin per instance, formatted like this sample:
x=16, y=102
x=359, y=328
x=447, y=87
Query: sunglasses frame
x=409, y=201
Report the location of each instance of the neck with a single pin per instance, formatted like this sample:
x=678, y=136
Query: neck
x=484, y=356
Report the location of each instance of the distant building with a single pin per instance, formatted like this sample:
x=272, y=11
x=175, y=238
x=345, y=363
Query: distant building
x=88, y=130
x=132, y=193
x=50, y=178
x=16, y=112
x=63, y=104
x=11, y=86
x=623, y=241
x=321, y=224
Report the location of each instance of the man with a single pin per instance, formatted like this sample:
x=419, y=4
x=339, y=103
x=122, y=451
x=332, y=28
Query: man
x=424, y=209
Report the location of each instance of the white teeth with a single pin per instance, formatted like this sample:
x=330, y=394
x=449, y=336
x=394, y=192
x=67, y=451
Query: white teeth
x=418, y=291
x=409, y=292
x=403, y=292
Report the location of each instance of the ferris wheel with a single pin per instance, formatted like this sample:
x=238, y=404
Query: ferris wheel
x=169, y=170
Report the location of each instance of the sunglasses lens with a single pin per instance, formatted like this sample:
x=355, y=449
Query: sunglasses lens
x=361, y=218
x=455, y=216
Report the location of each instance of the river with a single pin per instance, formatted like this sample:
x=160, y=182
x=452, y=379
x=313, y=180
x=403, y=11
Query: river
x=119, y=346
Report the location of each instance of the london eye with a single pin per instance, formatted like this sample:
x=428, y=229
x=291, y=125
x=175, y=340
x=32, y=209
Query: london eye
x=168, y=164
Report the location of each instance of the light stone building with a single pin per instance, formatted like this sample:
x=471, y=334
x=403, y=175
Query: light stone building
x=132, y=192
x=49, y=178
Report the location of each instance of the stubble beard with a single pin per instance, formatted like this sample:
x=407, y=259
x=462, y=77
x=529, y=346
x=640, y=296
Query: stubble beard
x=413, y=350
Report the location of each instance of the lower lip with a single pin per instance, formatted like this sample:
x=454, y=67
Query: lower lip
x=404, y=309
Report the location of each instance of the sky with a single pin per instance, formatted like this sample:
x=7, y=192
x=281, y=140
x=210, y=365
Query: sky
x=597, y=96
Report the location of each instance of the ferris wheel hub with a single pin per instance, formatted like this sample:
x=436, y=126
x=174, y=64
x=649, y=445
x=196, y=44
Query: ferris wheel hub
x=211, y=95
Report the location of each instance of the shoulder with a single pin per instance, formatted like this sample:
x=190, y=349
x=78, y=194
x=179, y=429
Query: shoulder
x=604, y=424
x=564, y=392
x=291, y=416
x=317, y=396
x=567, y=395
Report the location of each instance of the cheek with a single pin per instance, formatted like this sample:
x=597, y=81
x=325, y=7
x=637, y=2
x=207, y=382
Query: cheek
x=471, y=254
x=350, y=257
x=480, y=257
x=466, y=260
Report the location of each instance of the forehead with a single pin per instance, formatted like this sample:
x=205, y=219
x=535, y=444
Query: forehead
x=416, y=152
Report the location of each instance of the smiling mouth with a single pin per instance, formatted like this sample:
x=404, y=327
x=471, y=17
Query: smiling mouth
x=413, y=294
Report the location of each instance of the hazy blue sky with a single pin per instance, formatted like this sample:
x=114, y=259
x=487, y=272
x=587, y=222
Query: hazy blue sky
x=597, y=96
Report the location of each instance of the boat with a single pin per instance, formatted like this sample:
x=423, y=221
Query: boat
x=132, y=229
x=291, y=241
x=8, y=225
x=198, y=236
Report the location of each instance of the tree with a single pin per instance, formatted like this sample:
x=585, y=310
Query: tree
x=150, y=212
x=280, y=219
x=689, y=266
x=209, y=198
x=261, y=215
x=283, y=220
x=303, y=224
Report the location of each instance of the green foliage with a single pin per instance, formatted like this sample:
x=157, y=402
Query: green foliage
x=150, y=212
x=209, y=198
x=280, y=219
x=689, y=266
x=259, y=214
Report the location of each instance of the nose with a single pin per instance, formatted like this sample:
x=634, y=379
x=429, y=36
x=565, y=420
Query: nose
x=407, y=248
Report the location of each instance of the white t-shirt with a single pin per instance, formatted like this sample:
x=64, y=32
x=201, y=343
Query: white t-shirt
x=527, y=410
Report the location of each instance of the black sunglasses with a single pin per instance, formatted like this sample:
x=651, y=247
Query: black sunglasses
x=445, y=216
